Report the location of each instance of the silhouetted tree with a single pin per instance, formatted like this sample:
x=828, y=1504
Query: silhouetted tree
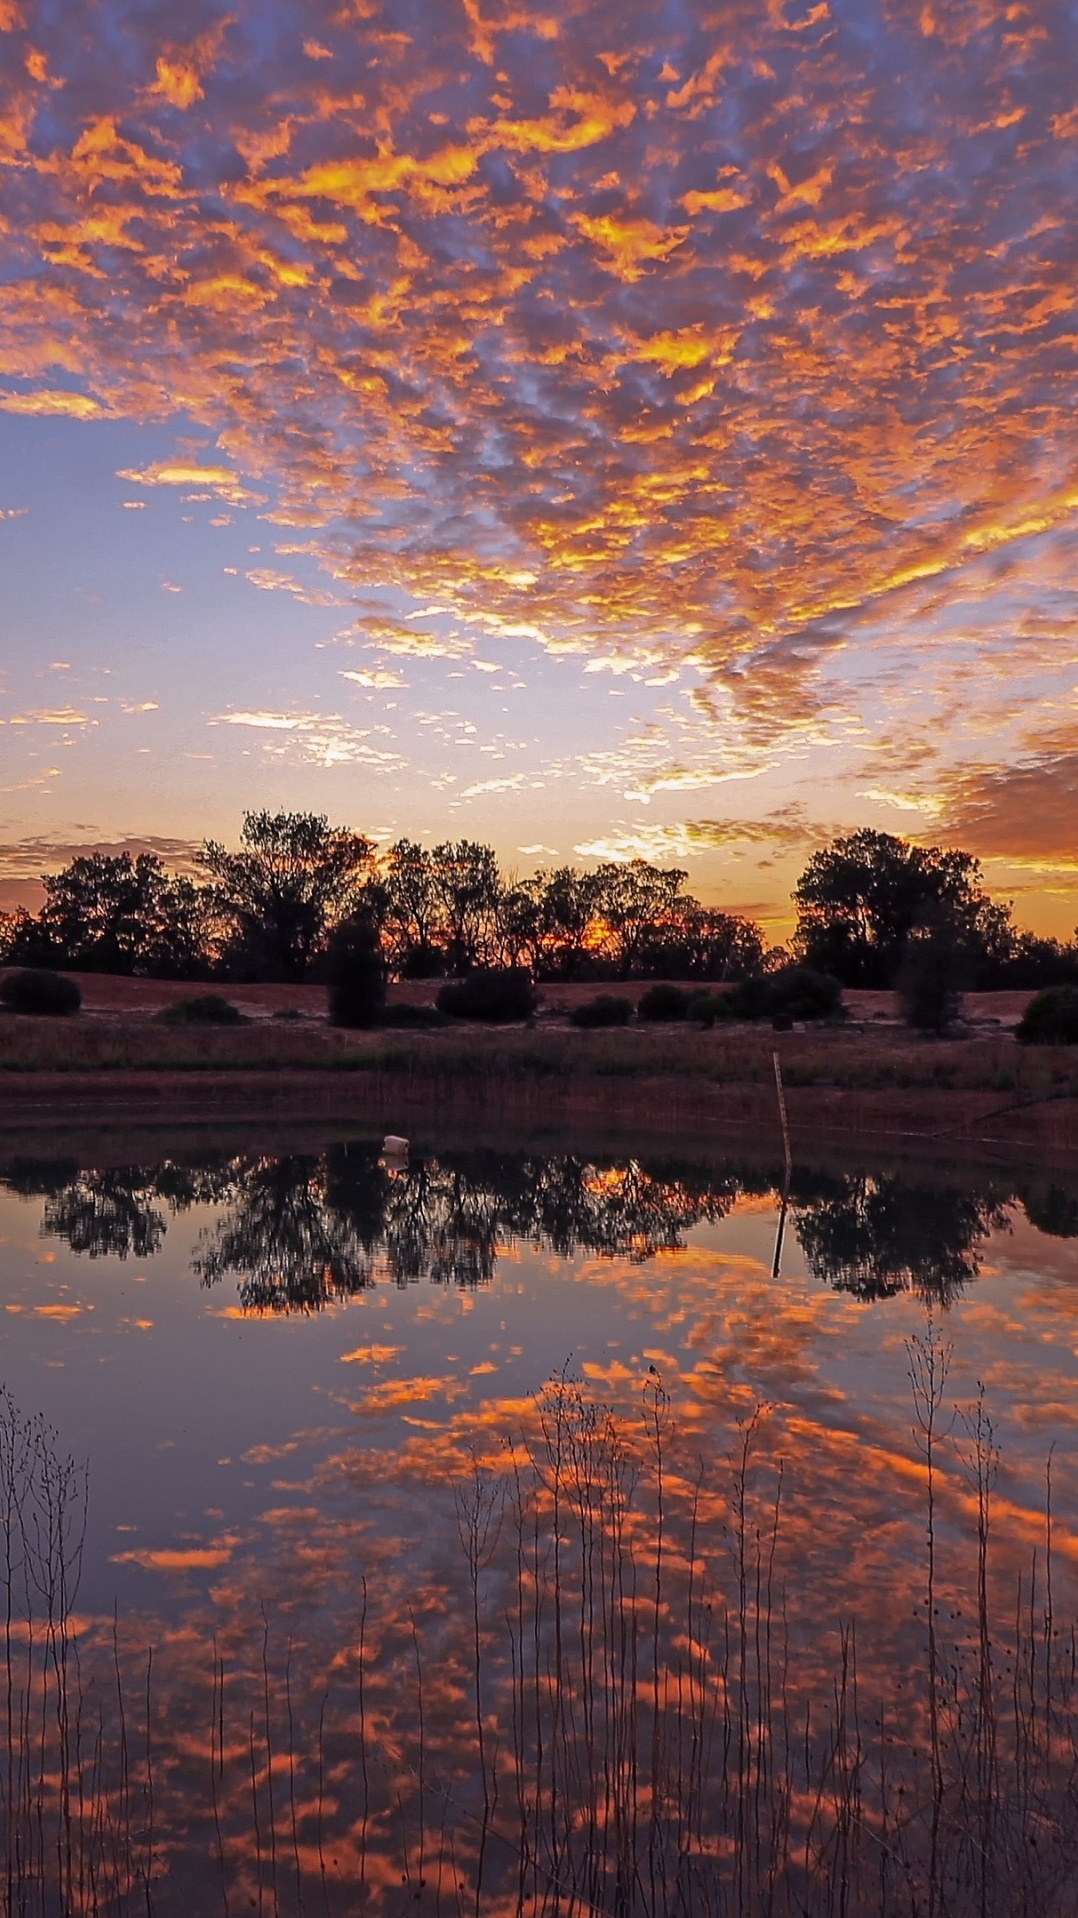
x=109, y=912
x=633, y=901
x=467, y=886
x=861, y=897
x=566, y=900
x=412, y=920
x=294, y=876
x=355, y=970
x=697, y=942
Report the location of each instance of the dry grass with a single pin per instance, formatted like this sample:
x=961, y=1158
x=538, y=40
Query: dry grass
x=872, y=1081
x=742, y=1055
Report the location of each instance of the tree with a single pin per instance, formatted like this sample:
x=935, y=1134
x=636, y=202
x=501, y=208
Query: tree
x=566, y=900
x=698, y=942
x=876, y=1237
x=109, y=912
x=294, y=876
x=411, y=917
x=468, y=887
x=859, y=899
x=632, y=900
x=930, y=979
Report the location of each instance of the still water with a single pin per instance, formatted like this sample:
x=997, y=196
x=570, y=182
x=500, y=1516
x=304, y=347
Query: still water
x=521, y=1532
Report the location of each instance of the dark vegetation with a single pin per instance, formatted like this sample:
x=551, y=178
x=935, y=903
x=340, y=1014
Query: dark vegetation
x=515, y=1068
x=499, y=994
x=872, y=911
x=356, y=973
x=794, y=992
x=43, y=993
x=606, y=1009
x=1051, y=1018
x=662, y=1005
x=203, y=1009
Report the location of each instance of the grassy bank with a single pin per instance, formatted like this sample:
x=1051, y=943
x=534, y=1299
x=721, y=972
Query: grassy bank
x=881, y=1081
x=856, y=1059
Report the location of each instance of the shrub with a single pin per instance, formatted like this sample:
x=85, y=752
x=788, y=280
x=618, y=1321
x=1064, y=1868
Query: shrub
x=47, y=993
x=665, y=1003
x=708, y=1008
x=204, y=1009
x=795, y=992
x=929, y=981
x=419, y=1017
x=356, y=974
x=608, y=1009
x=498, y=993
x=1051, y=1019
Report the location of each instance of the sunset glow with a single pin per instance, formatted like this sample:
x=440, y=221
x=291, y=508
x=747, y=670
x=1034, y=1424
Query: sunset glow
x=599, y=431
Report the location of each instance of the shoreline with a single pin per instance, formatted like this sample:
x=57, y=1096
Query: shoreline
x=662, y=1105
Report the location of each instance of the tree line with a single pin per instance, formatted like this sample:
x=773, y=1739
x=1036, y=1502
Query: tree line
x=869, y=906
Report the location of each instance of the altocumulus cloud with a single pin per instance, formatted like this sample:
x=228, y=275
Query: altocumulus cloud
x=652, y=332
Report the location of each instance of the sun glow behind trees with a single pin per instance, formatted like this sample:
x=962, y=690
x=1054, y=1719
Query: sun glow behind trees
x=866, y=903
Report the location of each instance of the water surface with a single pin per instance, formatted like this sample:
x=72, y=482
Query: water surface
x=310, y=1388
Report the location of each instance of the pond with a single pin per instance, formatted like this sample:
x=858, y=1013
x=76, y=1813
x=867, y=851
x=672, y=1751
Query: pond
x=532, y=1530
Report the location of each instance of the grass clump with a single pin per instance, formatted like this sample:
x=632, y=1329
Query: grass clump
x=607, y=1009
x=46, y=994
x=1051, y=1019
x=203, y=1009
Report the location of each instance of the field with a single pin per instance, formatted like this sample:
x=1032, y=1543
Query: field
x=870, y=1076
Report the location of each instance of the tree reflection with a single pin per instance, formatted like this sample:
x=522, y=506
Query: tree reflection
x=300, y=1233
x=875, y=1237
x=116, y=1212
x=303, y=1230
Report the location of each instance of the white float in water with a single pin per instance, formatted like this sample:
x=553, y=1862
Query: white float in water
x=394, y=1147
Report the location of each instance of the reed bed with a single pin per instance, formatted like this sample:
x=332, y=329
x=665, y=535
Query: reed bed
x=615, y=1707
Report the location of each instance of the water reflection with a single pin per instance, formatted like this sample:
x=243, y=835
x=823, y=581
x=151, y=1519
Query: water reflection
x=302, y=1230
x=876, y=1237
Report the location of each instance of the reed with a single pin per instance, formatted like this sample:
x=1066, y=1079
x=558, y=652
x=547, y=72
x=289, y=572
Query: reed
x=621, y=1710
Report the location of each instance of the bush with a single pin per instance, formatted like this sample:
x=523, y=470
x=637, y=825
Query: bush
x=929, y=982
x=608, y=1009
x=356, y=974
x=47, y=993
x=708, y=1008
x=665, y=1003
x=498, y=993
x=1051, y=1019
x=420, y=1017
x=204, y=1009
x=795, y=992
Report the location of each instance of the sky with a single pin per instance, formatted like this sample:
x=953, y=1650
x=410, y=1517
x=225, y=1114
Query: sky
x=600, y=430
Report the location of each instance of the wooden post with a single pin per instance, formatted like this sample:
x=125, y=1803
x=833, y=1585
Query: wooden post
x=776, y=1263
